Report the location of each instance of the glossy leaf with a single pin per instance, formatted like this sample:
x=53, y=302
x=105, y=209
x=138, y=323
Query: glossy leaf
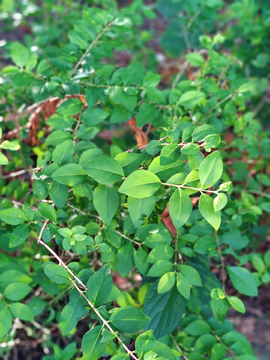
x=106, y=201
x=129, y=319
x=140, y=184
x=207, y=210
x=242, y=280
x=180, y=208
x=211, y=169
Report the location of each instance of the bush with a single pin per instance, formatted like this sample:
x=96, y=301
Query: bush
x=111, y=228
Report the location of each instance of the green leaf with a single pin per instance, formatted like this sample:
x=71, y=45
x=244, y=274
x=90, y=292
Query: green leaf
x=197, y=328
x=125, y=257
x=167, y=170
x=129, y=319
x=190, y=149
x=19, y=54
x=236, y=303
x=19, y=235
x=92, y=347
x=71, y=314
x=211, y=169
x=3, y=159
x=165, y=310
x=160, y=268
x=70, y=107
x=242, y=280
x=191, y=275
x=47, y=211
x=70, y=174
x=265, y=206
x=183, y=286
x=105, y=170
x=56, y=273
x=106, y=201
x=147, y=113
x=139, y=260
x=212, y=140
x=145, y=343
x=195, y=59
x=16, y=291
x=205, y=343
x=207, y=210
x=218, y=352
x=160, y=252
x=166, y=282
x=79, y=38
x=220, y=202
x=84, y=189
x=10, y=145
x=180, y=208
x=151, y=79
x=129, y=162
x=22, y=311
x=94, y=116
x=140, y=184
x=16, y=276
x=100, y=286
x=57, y=138
x=191, y=98
x=12, y=216
x=65, y=232
x=58, y=194
x=201, y=132
x=63, y=153
x=153, y=147
x=155, y=94
x=139, y=207
x=132, y=74
x=87, y=156
x=220, y=308
x=5, y=322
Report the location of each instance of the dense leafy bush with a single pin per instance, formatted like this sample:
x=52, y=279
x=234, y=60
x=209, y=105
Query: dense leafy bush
x=92, y=205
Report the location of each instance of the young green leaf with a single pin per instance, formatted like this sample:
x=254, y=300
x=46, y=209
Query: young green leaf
x=211, y=169
x=166, y=282
x=237, y=304
x=207, y=210
x=183, y=285
x=180, y=208
x=220, y=202
x=191, y=275
x=47, y=211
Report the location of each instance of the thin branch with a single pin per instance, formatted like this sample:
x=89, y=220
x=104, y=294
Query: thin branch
x=192, y=188
x=90, y=47
x=214, y=107
x=124, y=236
x=104, y=321
x=58, y=258
x=178, y=347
